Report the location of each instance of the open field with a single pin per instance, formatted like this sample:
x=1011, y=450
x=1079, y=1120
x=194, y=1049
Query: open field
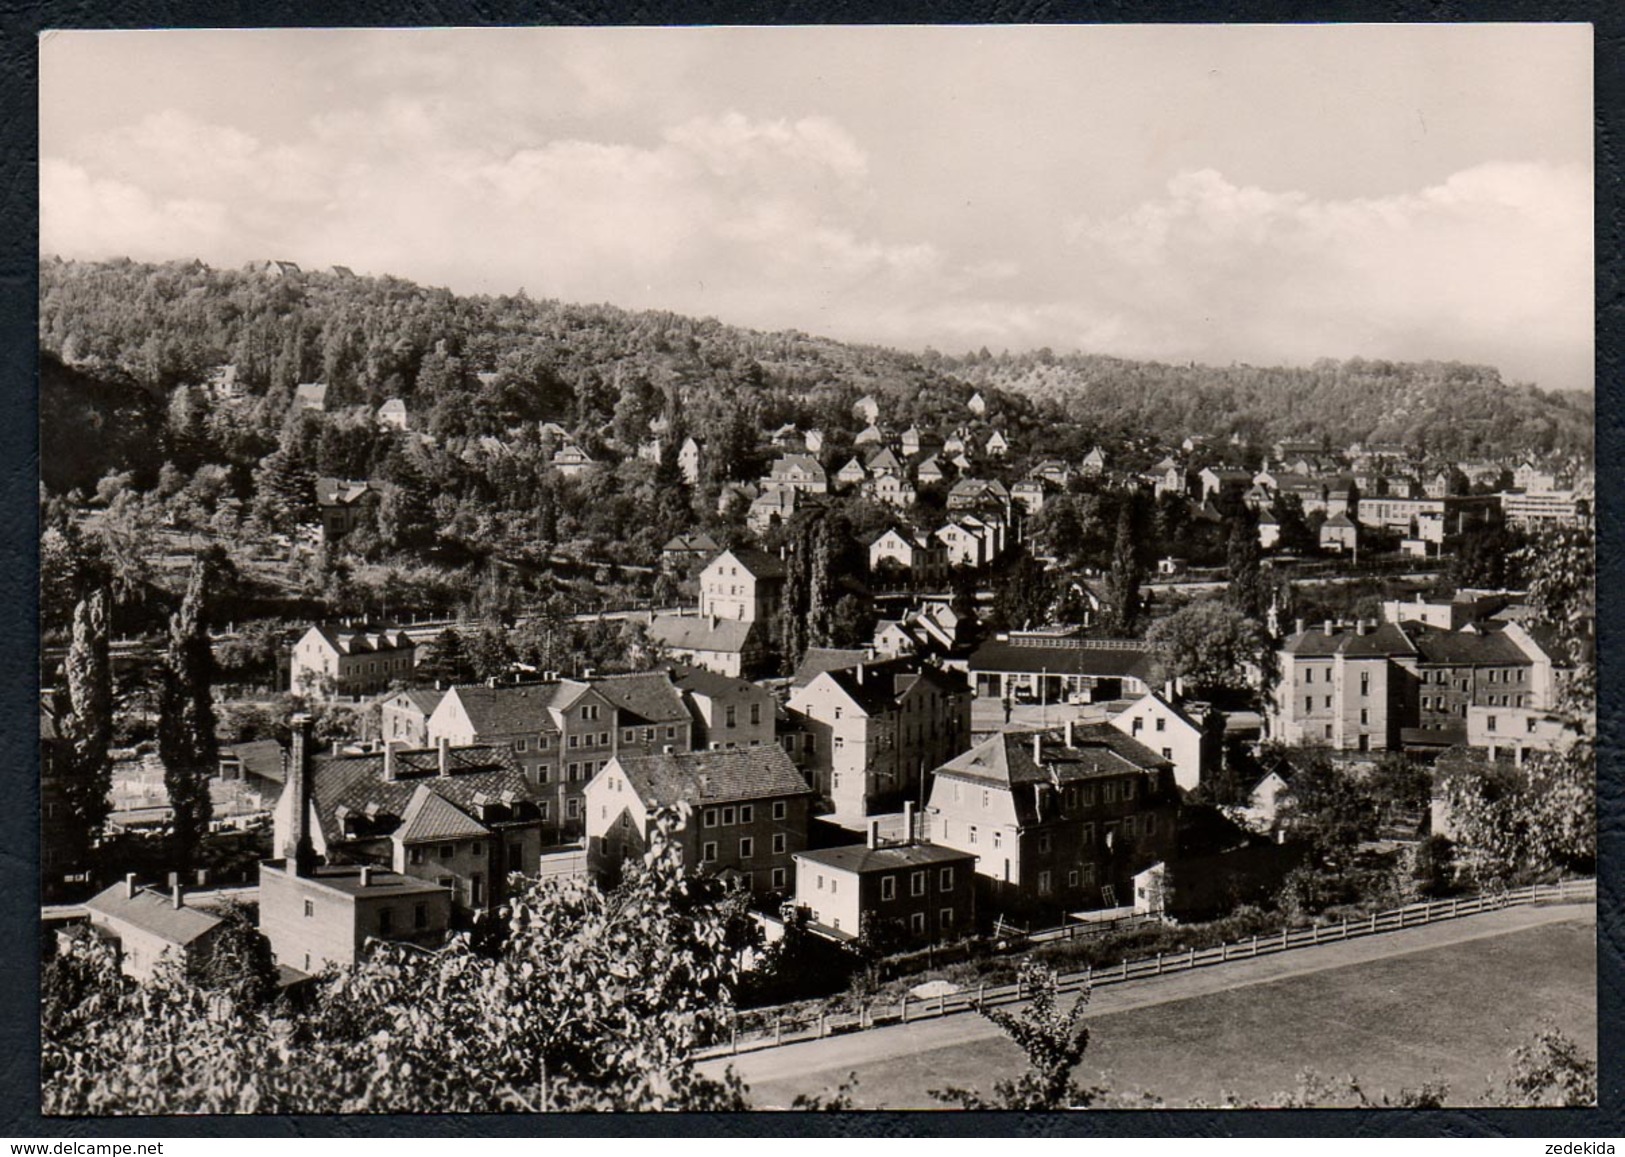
x=1448, y=1012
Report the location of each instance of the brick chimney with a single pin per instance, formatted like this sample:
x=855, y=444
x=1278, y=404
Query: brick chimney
x=366, y=875
x=1328, y=627
x=299, y=848
x=176, y=891
x=1038, y=747
x=445, y=755
x=1301, y=625
x=873, y=840
x=129, y=886
x=389, y=761
x=908, y=820
x=1069, y=742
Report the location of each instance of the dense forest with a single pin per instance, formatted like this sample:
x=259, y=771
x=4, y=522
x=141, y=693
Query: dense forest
x=469, y=366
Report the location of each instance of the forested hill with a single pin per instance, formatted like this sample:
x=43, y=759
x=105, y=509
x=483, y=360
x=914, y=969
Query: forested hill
x=480, y=365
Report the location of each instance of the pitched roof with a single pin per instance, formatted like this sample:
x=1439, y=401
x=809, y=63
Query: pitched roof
x=697, y=633
x=507, y=710
x=699, y=681
x=1470, y=646
x=797, y=463
x=424, y=699
x=1005, y=761
x=1386, y=639
x=816, y=660
x=740, y=773
x=347, y=642
x=431, y=818
x=154, y=912
x=260, y=757
x=646, y=697
x=357, y=783
x=861, y=858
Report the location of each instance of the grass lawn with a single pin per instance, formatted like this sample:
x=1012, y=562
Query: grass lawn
x=1449, y=1013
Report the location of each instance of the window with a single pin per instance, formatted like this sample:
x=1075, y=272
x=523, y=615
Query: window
x=708, y=853
x=998, y=839
x=1128, y=825
x=1044, y=888
x=575, y=741
x=1148, y=824
x=780, y=809
x=671, y=733
x=1328, y=702
x=973, y=833
x=479, y=850
x=755, y=713
x=1308, y=702
x=415, y=855
x=945, y=919
x=1128, y=790
x=1138, y=725
x=1365, y=715
x=731, y=716
x=1309, y=675
x=778, y=879
x=834, y=885
x=627, y=734
x=710, y=817
x=945, y=880
x=1072, y=879
x=1043, y=841
x=1489, y=723
x=542, y=807
x=778, y=843
x=1087, y=874
x=747, y=813
x=1365, y=682
x=1162, y=724
x=747, y=847
x=984, y=799
x=916, y=923
x=1088, y=834
x=447, y=851
x=1167, y=753
x=1108, y=792
x=519, y=745
x=727, y=816
x=837, y=712
x=888, y=887
x=573, y=809
x=541, y=743
x=420, y=916
x=310, y=908
x=575, y=772
x=590, y=712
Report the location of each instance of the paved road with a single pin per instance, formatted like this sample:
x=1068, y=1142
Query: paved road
x=836, y=1056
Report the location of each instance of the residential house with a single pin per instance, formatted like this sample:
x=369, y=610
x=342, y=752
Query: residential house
x=1269, y=529
x=884, y=462
x=1184, y=734
x=1539, y=510
x=683, y=552
x=771, y=508
x=1490, y=665
x=997, y=445
x=392, y=415
x=150, y=926
x=726, y=712
x=878, y=727
x=922, y=560
x=1218, y=483
x=1431, y=520
x=930, y=472
x=259, y=765
x=463, y=818
x=1340, y=534
x=1343, y=687
x=1094, y=463
x=977, y=404
x=333, y=662
x=345, y=504
x=743, y=584
x=1531, y=478
x=891, y=490
x=688, y=461
x=403, y=716
x=1463, y=607
x=870, y=435
x=972, y=541
x=897, y=894
x=726, y=646
x=742, y=813
x=798, y=472
x=1059, y=820
x=275, y=269
x=866, y=409
x=1029, y=495
x=558, y=734
x=980, y=496
x=325, y=916
x=572, y=460
x=852, y=474
x=651, y=713
x=910, y=441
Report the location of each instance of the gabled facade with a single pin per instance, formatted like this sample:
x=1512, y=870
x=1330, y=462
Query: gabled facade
x=726, y=712
x=392, y=415
x=797, y=472
x=923, y=560
x=899, y=894
x=743, y=585
x=877, y=728
x=334, y=662
x=1158, y=722
x=403, y=717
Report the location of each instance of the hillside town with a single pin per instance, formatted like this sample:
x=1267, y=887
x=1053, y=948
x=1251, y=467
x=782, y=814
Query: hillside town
x=930, y=679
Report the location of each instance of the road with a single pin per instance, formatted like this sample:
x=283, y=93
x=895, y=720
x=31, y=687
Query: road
x=813, y=1065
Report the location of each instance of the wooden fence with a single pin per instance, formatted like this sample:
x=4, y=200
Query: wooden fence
x=788, y=1030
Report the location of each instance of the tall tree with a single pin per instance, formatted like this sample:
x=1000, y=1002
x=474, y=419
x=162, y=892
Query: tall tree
x=186, y=720
x=1121, y=614
x=87, y=725
x=1248, y=592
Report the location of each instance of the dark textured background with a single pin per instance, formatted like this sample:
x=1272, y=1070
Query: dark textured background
x=19, y=829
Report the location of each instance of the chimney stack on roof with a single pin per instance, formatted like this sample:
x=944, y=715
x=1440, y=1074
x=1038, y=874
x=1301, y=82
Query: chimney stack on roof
x=129, y=885
x=366, y=875
x=1328, y=627
x=299, y=847
x=389, y=761
x=1038, y=747
x=1301, y=626
x=1069, y=724
x=908, y=820
x=445, y=755
x=176, y=892
x=1363, y=627
x=874, y=832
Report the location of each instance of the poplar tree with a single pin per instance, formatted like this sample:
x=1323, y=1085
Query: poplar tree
x=88, y=724
x=186, y=722
x=1122, y=610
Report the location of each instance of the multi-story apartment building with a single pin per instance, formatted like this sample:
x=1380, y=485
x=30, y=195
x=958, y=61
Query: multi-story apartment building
x=726, y=712
x=330, y=662
x=1430, y=520
x=1057, y=820
x=742, y=813
x=1179, y=733
x=404, y=716
x=559, y=733
x=916, y=556
x=877, y=728
x=1380, y=687
x=743, y=585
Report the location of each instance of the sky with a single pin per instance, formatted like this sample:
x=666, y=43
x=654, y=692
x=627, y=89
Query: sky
x=1270, y=195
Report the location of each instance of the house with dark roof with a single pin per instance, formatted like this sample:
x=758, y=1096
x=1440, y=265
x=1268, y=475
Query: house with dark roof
x=742, y=813
x=392, y=415
x=1059, y=821
x=151, y=926
x=898, y=893
x=651, y=714
x=743, y=584
x=345, y=504
x=1186, y=733
x=877, y=727
x=726, y=712
x=559, y=733
x=403, y=716
x=800, y=472
x=683, y=552
x=462, y=818
x=310, y=396
x=333, y=662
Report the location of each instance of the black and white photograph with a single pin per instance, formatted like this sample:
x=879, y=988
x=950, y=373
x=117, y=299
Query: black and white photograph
x=720, y=569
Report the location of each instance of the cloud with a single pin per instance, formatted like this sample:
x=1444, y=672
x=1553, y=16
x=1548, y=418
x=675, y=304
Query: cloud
x=1492, y=264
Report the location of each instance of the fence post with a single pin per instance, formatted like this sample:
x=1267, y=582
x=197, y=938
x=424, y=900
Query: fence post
x=981, y=993
x=941, y=1005
x=1345, y=928
x=905, y=1008
x=778, y=1029
x=1089, y=974
x=1314, y=933
x=1402, y=917
x=734, y=1025
x=820, y=1026
x=1191, y=962
x=1255, y=944
x=1125, y=968
x=1455, y=903
x=1286, y=938
x=1373, y=921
